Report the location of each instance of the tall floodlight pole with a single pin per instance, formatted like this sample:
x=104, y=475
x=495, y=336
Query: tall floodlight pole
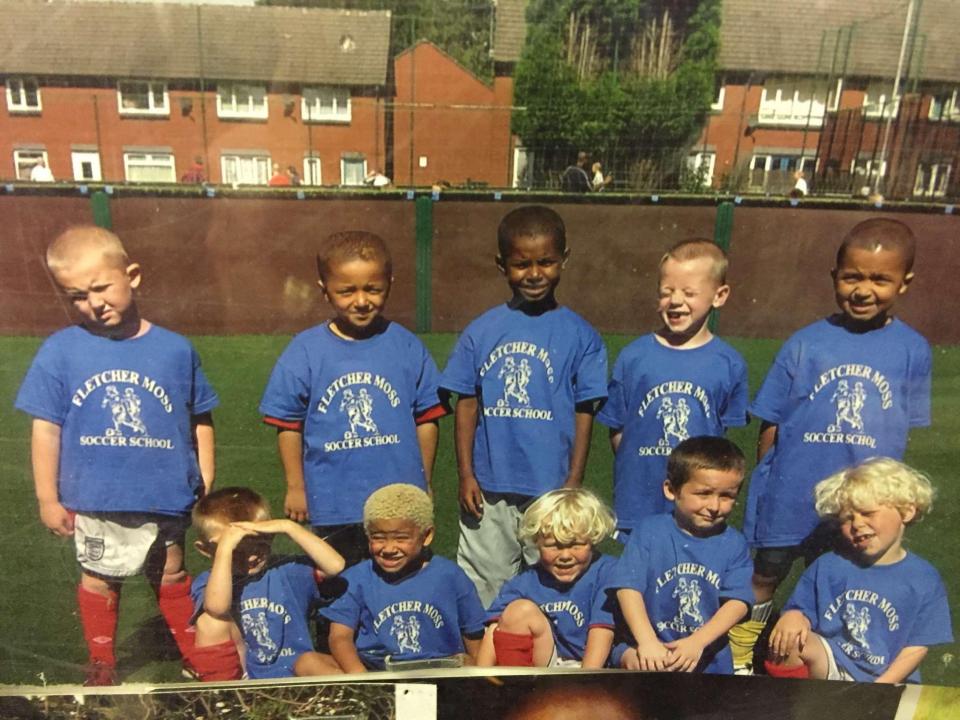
x=895, y=100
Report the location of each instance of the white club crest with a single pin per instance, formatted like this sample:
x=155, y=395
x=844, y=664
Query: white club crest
x=857, y=624
x=516, y=377
x=849, y=404
x=255, y=625
x=688, y=592
x=359, y=410
x=124, y=410
x=407, y=633
x=675, y=418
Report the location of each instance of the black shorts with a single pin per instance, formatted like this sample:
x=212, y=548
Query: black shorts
x=775, y=562
x=351, y=542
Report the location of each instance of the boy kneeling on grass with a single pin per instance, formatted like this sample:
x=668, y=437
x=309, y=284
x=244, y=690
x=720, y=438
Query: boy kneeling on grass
x=869, y=612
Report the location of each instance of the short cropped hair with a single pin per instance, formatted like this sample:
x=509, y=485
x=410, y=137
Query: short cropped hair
x=696, y=248
x=881, y=234
x=567, y=514
x=228, y=505
x=528, y=221
x=349, y=245
x=80, y=241
x=399, y=501
x=704, y=452
x=880, y=481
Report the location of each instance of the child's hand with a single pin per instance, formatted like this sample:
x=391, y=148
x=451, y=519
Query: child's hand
x=295, y=504
x=233, y=535
x=56, y=518
x=685, y=653
x=652, y=657
x=789, y=634
x=471, y=499
x=266, y=527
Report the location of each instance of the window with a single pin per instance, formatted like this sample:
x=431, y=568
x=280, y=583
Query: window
x=25, y=160
x=720, y=93
x=700, y=170
x=943, y=107
x=149, y=167
x=864, y=171
x=325, y=105
x=311, y=171
x=796, y=101
x=139, y=97
x=774, y=173
x=932, y=179
x=878, y=100
x=235, y=100
x=353, y=169
x=23, y=95
x=86, y=165
x=245, y=169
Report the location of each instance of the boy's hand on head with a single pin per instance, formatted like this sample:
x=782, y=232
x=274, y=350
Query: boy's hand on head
x=267, y=527
x=653, y=656
x=56, y=518
x=685, y=653
x=789, y=634
x=471, y=499
x=232, y=535
x=295, y=505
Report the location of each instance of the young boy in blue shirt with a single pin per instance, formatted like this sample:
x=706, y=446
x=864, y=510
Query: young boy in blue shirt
x=684, y=578
x=122, y=441
x=557, y=613
x=250, y=601
x=404, y=604
x=528, y=374
x=841, y=390
x=869, y=611
x=678, y=382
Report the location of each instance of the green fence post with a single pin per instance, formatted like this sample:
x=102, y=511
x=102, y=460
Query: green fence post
x=424, y=241
x=722, y=234
x=100, y=206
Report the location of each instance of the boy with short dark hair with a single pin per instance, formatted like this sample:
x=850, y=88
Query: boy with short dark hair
x=678, y=382
x=249, y=600
x=684, y=577
x=841, y=390
x=122, y=440
x=404, y=604
x=529, y=374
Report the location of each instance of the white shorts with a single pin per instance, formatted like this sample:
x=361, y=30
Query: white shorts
x=834, y=671
x=559, y=662
x=118, y=544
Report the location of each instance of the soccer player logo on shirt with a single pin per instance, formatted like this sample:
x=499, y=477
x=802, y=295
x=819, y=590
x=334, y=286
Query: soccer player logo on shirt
x=688, y=592
x=255, y=624
x=359, y=409
x=675, y=418
x=515, y=378
x=849, y=405
x=407, y=633
x=857, y=624
x=124, y=410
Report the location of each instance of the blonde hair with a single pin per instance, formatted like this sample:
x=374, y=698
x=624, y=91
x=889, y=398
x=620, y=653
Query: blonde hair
x=228, y=505
x=880, y=481
x=399, y=501
x=567, y=515
x=696, y=248
x=81, y=241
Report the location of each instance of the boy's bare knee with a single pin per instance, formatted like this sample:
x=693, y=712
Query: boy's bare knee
x=520, y=616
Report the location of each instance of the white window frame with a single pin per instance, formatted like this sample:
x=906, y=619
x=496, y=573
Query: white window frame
x=802, y=162
x=312, y=171
x=944, y=107
x=717, y=104
x=343, y=168
x=326, y=104
x=78, y=157
x=882, y=105
x=258, y=174
x=242, y=105
x=25, y=158
x=17, y=96
x=696, y=160
x=933, y=182
x=137, y=159
x=796, y=101
x=152, y=88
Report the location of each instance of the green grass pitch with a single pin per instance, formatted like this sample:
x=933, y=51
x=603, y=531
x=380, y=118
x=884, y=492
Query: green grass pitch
x=40, y=639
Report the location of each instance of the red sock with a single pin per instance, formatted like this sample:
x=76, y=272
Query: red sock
x=176, y=606
x=98, y=616
x=512, y=649
x=217, y=662
x=782, y=671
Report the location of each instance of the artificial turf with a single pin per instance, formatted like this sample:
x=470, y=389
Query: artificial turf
x=40, y=640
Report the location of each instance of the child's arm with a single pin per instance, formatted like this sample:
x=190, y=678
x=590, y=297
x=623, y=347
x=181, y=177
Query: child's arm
x=428, y=437
x=766, y=439
x=583, y=426
x=903, y=664
x=45, y=455
x=487, y=654
x=472, y=645
x=327, y=560
x=344, y=650
x=290, y=446
x=218, y=595
x=789, y=634
x=686, y=652
x=465, y=430
x=652, y=653
x=599, y=644
x=203, y=439
x=615, y=437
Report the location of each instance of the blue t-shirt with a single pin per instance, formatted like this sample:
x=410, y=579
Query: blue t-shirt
x=422, y=616
x=837, y=398
x=660, y=396
x=572, y=608
x=527, y=372
x=357, y=400
x=869, y=614
x=684, y=579
x=271, y=609
x=125, y=409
